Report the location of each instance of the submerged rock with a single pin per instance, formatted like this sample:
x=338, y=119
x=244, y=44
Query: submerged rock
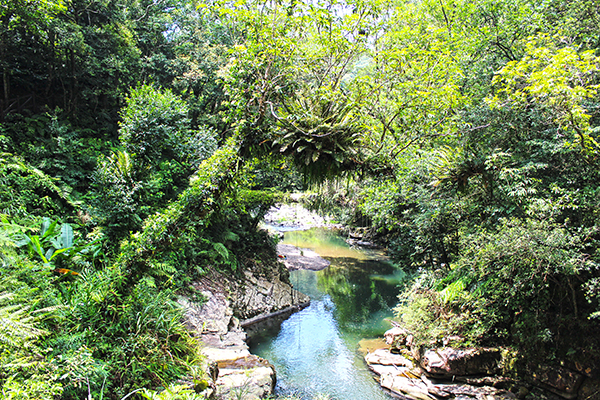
x=366, y=346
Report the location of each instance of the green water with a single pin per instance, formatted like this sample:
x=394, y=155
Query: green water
x=315, y=350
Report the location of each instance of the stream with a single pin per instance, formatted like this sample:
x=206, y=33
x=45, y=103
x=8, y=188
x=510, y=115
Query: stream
x=315, y=351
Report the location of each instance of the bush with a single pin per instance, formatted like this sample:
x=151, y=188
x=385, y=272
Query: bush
x=522, y=285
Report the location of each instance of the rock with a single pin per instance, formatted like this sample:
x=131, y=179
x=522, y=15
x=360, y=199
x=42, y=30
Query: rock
x=295, y=258
x=404, y=382
x=261, y=296
x=449, y=361
x=453, y=339
x=241, y=374
x=247, y=385
x=590, y=389
x=214, y=316
x=474, y=392
x=382, y=370
x=403, y=386
x=385, y=357
x=561, y=381
x=367, y=244
x=355, y=233
x=499, y=382
x=396, y=337
x=218, y=355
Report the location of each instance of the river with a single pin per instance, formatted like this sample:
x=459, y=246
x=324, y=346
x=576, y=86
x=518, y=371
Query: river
x=315, y=351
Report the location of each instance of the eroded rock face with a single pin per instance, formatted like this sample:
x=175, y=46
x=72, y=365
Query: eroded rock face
x=402, y=377
x=212, y=317
x=241, y=374
x=261, y=296
x=440, y=373
x=448, y=362
x=559, y=380
x=217, y=322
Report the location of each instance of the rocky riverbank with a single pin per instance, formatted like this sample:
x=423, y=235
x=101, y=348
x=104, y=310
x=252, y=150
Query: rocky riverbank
x=418, y=373
x=231, y=306
x=234, y=306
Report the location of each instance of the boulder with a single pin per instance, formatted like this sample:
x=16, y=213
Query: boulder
x=448, y=361
x=241, y=374
x=397, y=338
x=406, y=387
x=558, y=380
x=385, y=357
x=260, y=296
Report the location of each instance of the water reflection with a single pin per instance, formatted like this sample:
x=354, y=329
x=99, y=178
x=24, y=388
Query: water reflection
x=314, y=351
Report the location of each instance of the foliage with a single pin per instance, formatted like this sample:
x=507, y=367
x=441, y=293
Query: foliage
x=29, y=191
x=172, y=393
x=518, y=285
x=55, y=246
x=559, y=79
x=20, y=332
x=153, y=124
x=464, y=134
x=161, y=153
x=273, y=174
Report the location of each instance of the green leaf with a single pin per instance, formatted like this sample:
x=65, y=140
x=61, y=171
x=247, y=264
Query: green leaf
x=221, y=250
x=37, y=247
x=49, y=255
x=55, y=253
x=67, y=235
x=45, y=225
x=21, y=240
x=48, y=228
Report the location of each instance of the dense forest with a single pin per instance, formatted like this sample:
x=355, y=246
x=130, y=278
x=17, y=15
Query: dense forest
x=142, y=141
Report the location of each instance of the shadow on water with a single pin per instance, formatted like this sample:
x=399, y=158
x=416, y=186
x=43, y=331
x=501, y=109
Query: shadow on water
x=315, y=350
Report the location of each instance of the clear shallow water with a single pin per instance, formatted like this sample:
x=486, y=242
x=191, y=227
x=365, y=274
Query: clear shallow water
x=315, y=350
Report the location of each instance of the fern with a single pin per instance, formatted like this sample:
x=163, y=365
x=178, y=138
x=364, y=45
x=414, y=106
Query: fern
x=18, y=332
x=452, y=291
x=221, y=250
x=162, y=268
